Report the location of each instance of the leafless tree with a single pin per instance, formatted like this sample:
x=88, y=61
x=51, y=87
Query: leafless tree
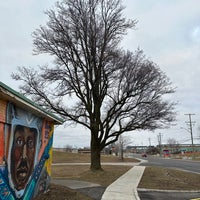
x=68, y=148
x=173, y=144
x=122, y=143
x=112, y=90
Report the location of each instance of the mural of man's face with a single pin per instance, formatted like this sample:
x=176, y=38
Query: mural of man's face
x=22, y=155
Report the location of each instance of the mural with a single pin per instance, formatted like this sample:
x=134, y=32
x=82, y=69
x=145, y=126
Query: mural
x=25, y=153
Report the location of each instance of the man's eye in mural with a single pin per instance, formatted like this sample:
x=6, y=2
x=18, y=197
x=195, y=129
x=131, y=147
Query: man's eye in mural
x=19, y=142
x=30, y=143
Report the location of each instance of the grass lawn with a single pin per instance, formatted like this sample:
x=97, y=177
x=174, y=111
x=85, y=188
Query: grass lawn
x=170, y=179
x=82, y=172
x=76, y=172
x=64, y=157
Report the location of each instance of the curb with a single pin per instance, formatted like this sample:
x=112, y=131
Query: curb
x=157, y=190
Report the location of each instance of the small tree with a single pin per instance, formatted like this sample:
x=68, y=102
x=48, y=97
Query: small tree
x=173, y=144
x=123, y=141
x=68, y=148
x=113, y=91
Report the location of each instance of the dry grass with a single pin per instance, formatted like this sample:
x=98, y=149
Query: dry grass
x=170, y=179
x=105, y=177
x=109, y=174
x=82, y=172
x=68, y=171
x=65, y=157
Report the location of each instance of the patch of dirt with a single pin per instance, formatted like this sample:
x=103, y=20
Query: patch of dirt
x=58, y=192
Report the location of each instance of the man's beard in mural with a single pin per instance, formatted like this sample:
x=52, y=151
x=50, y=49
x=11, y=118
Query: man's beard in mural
x=22, y=172
x=22, y=155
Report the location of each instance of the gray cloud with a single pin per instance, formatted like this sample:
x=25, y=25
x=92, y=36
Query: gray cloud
x=167, y=31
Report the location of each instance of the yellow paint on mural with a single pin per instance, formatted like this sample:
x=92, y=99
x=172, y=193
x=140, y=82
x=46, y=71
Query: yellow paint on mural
x=49, y=160
x=48, y=163
x=51, y=130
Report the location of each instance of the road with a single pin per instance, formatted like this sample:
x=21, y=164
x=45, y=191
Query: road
x=188, y=165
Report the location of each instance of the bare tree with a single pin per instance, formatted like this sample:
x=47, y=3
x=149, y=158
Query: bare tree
x=113, y=91
x=123, y=141
x=68, y=148
x=173, y=144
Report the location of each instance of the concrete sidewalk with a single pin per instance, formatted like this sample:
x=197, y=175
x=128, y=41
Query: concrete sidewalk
x=125, y=187
x=74, y=184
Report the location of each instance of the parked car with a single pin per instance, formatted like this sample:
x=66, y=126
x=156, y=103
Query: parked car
x=144, y=155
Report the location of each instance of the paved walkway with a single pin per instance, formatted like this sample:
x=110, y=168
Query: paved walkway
x=125, y=187
x=73, y=184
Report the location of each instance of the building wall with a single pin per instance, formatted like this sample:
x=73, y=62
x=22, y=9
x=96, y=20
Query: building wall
x=25, y=153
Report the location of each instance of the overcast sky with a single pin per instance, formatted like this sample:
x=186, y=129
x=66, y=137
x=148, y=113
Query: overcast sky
x=169, y=33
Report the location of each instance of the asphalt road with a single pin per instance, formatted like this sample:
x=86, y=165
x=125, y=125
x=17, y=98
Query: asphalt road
x=188, y=165
x=168, y=195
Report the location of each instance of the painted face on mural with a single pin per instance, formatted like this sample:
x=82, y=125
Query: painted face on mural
x=23, y=155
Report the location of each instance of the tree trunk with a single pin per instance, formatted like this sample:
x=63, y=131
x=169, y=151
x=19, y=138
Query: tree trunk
x=95, y=155
x=122, y=153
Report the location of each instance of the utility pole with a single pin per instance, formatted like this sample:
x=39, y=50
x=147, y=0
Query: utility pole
x=159, y=141
x=190, y=122
x=150, y=142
